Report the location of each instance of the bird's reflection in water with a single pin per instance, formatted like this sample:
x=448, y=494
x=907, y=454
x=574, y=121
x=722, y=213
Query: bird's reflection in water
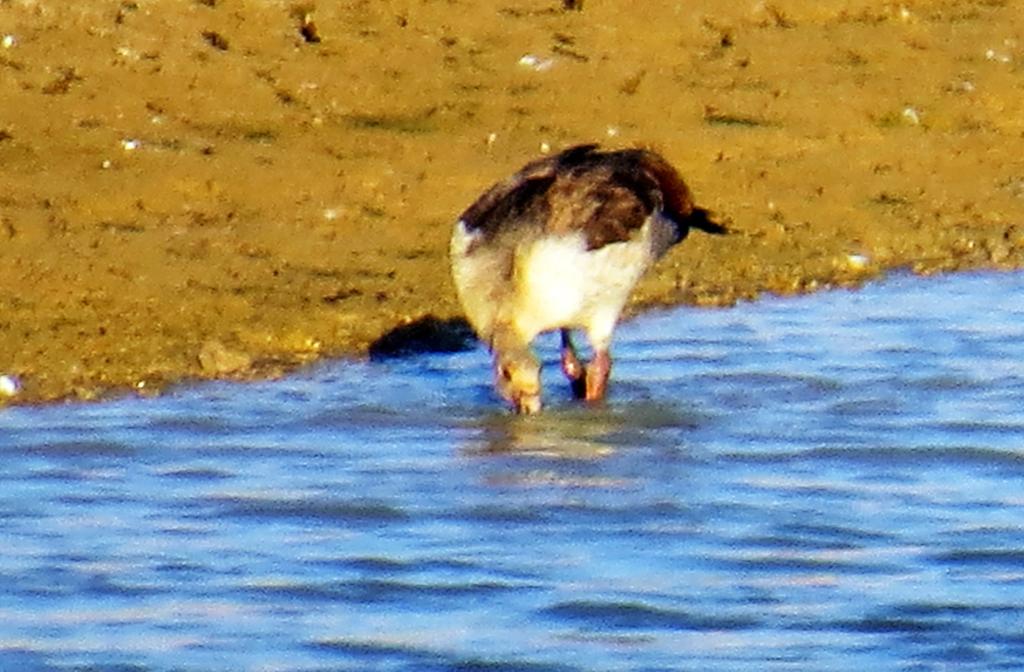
x=581, y=432
x=559, y=434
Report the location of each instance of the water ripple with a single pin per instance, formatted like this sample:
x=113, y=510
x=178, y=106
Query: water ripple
x=636, y=616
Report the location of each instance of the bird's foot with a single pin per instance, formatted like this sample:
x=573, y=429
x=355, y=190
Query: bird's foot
x=575, y=372
x=596, y=379
x=572, y=367
x=588, y=382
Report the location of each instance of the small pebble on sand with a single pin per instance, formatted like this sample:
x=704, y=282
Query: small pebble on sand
x=536, y=63
x=858, y=261
x=9, y=385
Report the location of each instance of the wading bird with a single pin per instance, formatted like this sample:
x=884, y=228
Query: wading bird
x=560, y=245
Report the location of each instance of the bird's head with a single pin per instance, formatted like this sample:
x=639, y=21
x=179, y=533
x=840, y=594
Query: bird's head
x=517, y=379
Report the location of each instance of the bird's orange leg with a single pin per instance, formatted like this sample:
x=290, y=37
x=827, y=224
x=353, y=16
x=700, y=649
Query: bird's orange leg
x=572, y=367
x=596, y=378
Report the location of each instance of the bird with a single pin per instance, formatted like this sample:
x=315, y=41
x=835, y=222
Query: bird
x=560, y=244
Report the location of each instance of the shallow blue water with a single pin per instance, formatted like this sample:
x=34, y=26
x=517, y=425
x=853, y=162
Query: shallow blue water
x=829, y=482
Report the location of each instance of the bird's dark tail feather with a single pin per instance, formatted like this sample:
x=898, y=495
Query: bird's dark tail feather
x=700, y=219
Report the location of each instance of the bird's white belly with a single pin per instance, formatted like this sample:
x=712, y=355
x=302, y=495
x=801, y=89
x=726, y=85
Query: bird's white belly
x=559, y=283
x=551, y=281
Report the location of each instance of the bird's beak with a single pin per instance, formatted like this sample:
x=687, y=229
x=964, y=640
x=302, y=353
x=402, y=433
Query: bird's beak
x=527, y=404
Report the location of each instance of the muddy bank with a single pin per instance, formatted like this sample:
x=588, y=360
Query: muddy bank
x=228, y=189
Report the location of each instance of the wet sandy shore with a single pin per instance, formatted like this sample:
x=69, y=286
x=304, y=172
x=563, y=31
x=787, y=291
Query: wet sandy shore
x=219, y=189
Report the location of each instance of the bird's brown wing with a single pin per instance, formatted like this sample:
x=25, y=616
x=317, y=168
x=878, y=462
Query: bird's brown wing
x=607, y=196
x=604, y=209
x=521, y=196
